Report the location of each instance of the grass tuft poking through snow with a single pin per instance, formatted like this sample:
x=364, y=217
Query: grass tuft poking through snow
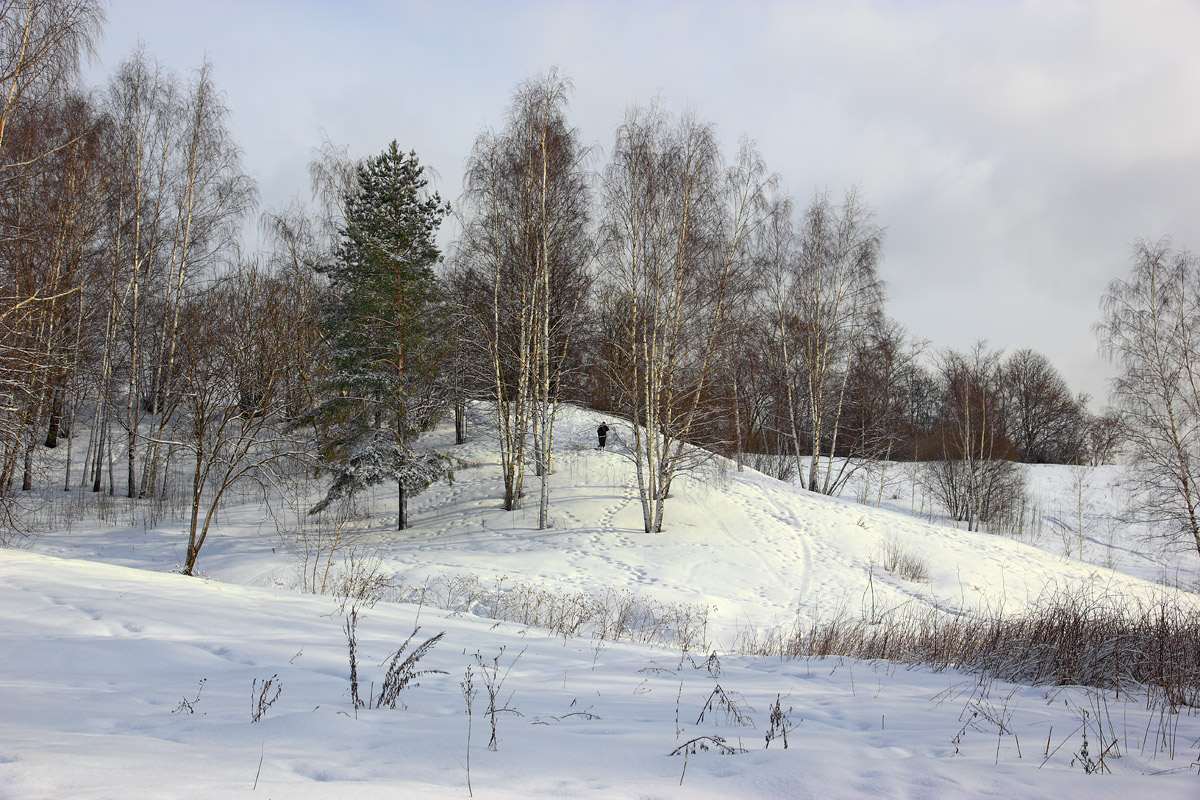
x=904, y=561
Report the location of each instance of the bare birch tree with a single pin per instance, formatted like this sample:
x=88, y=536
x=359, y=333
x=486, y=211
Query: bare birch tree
x=975, y=479
x=1150, y=330
x=178, y=197
x=676, y=226
x=498, y=299
x=296, y=250
x=828, y=298
x=44, y=223
x=209, y=197
x=50, y=248
x=143, y=102
x=234, y=342
x=527, y=241
x=41, y=45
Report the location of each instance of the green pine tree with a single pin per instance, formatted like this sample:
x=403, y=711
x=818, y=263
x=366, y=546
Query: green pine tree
x=385, y=323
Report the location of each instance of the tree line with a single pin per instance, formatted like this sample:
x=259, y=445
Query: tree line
x=687, y=294
x=666, y=285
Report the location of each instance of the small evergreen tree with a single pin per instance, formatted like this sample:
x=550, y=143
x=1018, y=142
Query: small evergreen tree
x=385, y=325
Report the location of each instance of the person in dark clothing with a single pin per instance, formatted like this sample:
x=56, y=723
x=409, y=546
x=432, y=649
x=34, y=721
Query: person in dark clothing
x=602, y=434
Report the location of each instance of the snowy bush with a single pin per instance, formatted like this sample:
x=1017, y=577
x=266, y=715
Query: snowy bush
x=905, y=562
x=986, y=494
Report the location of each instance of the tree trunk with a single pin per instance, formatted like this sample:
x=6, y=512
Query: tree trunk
x=55, y=423
x=98, y=468
x=737, y=426
x=401, y=507
x=27, y=477
x=67, y=467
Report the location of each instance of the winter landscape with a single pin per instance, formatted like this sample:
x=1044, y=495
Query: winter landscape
x=121, y=679
x=622, y=475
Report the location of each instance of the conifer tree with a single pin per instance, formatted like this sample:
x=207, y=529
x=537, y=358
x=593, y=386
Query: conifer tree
x=384, y=321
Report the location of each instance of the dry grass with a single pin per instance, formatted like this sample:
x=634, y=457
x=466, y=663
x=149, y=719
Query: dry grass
x=1071, y=639
x=907, y=563
x=615, y=614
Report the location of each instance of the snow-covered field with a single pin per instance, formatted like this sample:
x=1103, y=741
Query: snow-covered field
x=119, y=679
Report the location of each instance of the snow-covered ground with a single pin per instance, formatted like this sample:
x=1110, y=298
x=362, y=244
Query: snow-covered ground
x=1061, y=501
x=119, y=679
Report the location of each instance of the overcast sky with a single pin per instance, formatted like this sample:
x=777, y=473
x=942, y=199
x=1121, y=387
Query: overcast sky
x=1011, y=150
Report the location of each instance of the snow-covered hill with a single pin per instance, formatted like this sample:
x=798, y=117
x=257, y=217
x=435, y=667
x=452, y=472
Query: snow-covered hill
x=103, y=653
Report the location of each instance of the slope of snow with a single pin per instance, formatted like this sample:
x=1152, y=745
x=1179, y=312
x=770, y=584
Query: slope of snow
x=1062, y=500
x=100, y=646
x=98, y=658
x=755, y=551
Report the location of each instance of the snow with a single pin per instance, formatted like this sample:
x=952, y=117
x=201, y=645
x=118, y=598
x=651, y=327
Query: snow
x=100, y=645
